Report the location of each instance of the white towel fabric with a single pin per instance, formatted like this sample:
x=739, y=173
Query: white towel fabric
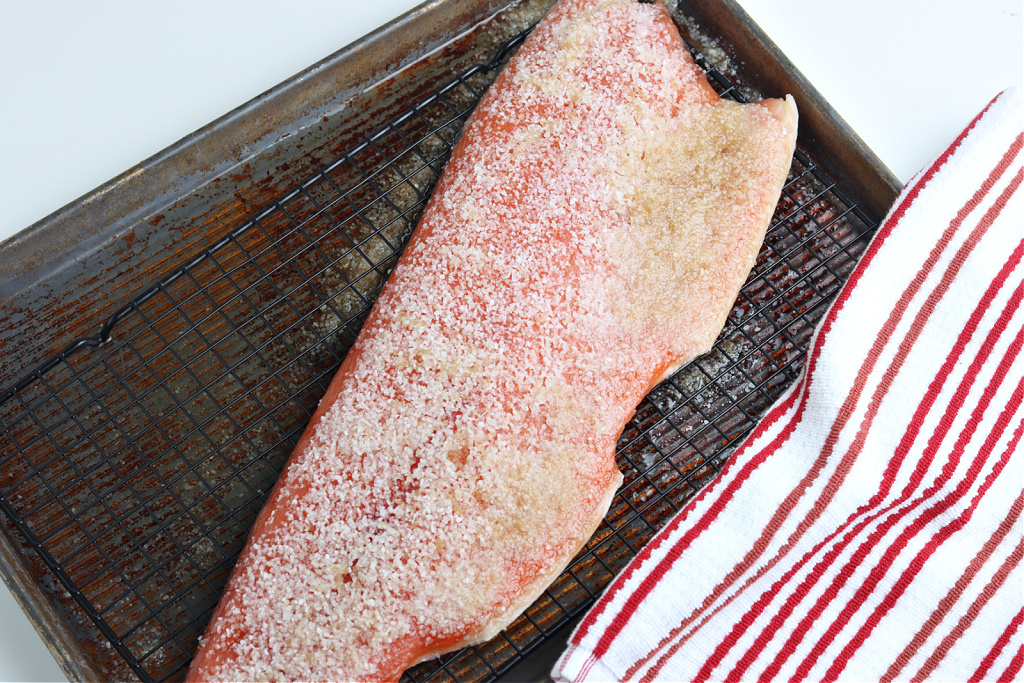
x=870, y=527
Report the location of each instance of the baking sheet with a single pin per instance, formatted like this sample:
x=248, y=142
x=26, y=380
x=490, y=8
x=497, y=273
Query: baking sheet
x=135, y=466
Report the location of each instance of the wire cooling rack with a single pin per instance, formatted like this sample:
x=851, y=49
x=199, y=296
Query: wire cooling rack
x=133, y=463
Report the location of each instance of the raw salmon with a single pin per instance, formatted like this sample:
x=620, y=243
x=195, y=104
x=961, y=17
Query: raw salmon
x=588, y=236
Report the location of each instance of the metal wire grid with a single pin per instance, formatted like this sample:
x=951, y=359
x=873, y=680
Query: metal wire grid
x=135, y=469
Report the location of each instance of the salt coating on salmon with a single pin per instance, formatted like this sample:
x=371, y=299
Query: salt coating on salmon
x=588, y=236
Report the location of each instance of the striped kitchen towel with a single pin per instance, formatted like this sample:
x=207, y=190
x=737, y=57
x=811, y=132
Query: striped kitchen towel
x=870, y=528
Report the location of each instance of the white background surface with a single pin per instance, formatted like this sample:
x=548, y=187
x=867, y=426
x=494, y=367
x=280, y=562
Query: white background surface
x=88, y=90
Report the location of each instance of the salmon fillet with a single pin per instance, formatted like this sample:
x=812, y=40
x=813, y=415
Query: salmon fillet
x=587, y=237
